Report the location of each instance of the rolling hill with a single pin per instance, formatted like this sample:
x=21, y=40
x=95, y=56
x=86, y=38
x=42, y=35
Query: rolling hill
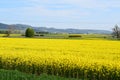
x=23, y=27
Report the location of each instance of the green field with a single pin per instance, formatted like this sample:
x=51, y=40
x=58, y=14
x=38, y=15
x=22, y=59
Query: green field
x=65, y=36
x=16, y=75
x=11, y=35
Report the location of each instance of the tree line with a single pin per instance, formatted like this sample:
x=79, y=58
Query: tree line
x=116, y=32
x=31, y=33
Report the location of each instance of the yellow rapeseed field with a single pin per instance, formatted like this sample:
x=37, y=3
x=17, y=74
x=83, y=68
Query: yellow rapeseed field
x=92, y=59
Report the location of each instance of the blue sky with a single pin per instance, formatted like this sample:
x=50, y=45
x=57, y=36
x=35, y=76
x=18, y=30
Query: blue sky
x=80, y=14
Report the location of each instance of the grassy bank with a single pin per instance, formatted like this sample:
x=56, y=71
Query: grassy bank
x=16, y=75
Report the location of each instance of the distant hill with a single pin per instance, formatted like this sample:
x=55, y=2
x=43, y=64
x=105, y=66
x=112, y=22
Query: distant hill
x=20, y=26
x=23, y=27
x=3, y=26
x=82, y=31
x=15, y=26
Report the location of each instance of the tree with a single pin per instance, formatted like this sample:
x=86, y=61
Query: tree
x=29, y=32
x=116, y=31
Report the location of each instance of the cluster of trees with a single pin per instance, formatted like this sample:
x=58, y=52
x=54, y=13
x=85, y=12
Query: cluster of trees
x=28, y=33
x=42, y=32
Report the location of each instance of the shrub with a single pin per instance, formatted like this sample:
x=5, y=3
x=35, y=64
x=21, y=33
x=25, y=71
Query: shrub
x=29, y=32
x=75, y=35
x=41, y=35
